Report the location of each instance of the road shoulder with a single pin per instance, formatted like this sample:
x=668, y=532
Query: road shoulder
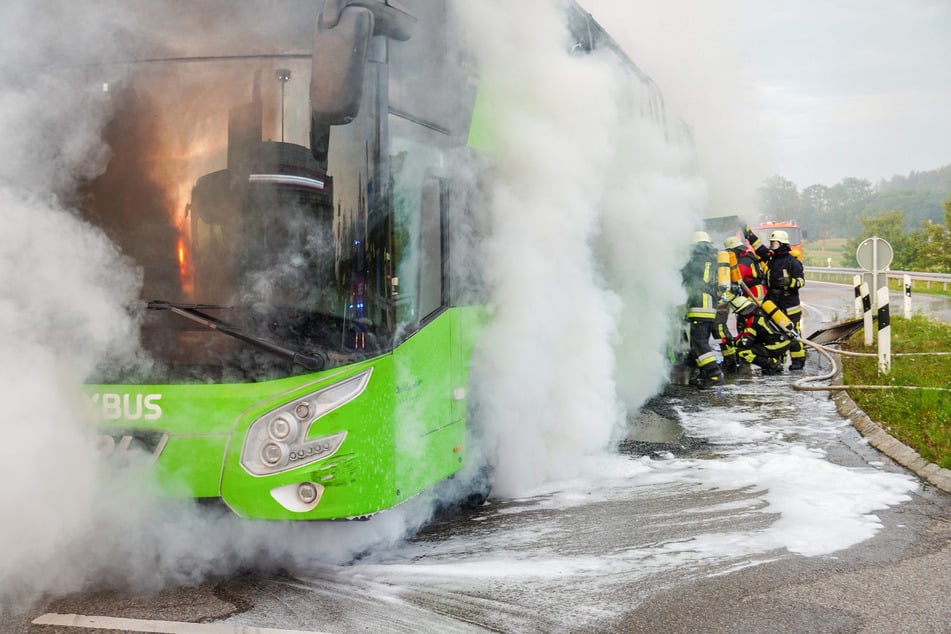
x=876, y=436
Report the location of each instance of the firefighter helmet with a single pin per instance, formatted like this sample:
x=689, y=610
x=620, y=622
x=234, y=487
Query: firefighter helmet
x=779, y=236
x=732, y=242
x=741, y=306
x=702, y=236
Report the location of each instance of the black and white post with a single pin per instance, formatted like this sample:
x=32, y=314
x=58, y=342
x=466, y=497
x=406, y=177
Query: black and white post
x=857, y=285
x=869, y=327
x=884, y=333
x=907, y=296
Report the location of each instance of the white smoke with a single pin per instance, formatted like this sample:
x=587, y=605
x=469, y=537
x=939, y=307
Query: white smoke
x=62, y=297
x=698, y=53
x=65, y=292
x=591, y=209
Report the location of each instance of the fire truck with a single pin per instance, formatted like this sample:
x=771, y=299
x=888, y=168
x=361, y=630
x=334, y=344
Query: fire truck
x=796, y=234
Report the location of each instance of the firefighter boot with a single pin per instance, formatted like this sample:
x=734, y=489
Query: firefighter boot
x=768, y=365
x=710, y=376
x=797, y=356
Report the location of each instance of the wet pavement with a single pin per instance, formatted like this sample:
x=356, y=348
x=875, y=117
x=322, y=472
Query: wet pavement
x=748, y=523
x=768, y=512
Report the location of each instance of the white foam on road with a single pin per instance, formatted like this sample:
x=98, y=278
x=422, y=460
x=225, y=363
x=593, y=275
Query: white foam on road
x=82, y=621
x=765, y=489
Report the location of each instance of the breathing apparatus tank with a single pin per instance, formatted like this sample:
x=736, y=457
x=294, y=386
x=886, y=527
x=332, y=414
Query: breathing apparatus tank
x=723, y=270
x=778, y=316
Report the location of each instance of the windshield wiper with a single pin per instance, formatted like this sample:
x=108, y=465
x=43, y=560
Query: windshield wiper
x=192, y=312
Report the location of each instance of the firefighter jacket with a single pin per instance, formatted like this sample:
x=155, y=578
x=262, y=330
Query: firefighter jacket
x=759, y=333
x=700, y=282
x=746, y=267
x=784, y=277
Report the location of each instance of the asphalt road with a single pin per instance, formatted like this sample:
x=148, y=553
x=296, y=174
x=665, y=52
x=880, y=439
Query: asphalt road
x=656, y=548
x=900, y=581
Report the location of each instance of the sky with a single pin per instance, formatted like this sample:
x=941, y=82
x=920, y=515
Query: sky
x=812, y=91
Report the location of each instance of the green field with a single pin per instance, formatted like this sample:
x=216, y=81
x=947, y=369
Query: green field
x=920, y=418
x=818, y=253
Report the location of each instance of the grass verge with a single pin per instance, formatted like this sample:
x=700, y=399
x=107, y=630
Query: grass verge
x=919, y=418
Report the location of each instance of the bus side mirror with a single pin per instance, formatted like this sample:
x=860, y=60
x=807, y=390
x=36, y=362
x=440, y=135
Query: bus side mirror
x=338, y=66
x=390, y=18
x=341, y=40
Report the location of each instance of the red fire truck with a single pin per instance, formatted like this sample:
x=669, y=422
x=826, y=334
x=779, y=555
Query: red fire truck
x=796, y=234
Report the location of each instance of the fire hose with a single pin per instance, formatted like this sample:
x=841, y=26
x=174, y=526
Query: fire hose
x=828, y=353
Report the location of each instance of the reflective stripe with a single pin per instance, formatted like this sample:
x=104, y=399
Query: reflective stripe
x=706, y=359
x=701, y=313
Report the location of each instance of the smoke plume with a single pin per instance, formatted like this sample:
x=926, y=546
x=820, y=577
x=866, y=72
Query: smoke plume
x=590, y=211
x=590, y=206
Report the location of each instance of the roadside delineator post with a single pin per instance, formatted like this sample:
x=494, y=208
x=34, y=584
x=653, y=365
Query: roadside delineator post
x=884, y=333
x=874, y=255
x=857, y=284
x=907, y=296
x=867, y=313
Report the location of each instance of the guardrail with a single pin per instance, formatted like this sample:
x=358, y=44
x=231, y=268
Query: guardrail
x=920, y=280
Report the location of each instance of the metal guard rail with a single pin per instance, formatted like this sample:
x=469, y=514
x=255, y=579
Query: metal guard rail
x=944, y=279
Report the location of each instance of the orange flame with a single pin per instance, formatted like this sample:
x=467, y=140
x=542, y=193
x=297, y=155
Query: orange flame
x=185, y=272
x=183, y=162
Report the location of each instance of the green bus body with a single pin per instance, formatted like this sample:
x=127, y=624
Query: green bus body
x=312, y=312
x=404, y=431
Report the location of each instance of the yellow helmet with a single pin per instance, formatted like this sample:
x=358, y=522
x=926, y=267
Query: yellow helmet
x=779, y=236
x=702, y=236
x=732, y=242
x=741, y=305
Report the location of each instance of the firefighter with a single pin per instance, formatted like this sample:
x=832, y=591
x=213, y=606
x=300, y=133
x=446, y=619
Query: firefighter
x=700, y=281
x=759, y=340
x=726, y=285
x=745, y=267
x=784, y=278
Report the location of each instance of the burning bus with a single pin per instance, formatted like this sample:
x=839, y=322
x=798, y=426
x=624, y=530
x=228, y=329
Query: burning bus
x=297, y=213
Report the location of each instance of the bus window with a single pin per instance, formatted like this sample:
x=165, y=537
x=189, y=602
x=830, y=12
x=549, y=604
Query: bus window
x=418, y=217
x=431, y=248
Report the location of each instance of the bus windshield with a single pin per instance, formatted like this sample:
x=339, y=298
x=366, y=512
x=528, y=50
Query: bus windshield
x=264, y=238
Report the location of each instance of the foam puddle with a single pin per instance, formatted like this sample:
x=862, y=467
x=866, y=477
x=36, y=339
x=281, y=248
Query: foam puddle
x=583, y=549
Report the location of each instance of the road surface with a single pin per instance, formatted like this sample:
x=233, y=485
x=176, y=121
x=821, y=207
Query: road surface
x=770, y=514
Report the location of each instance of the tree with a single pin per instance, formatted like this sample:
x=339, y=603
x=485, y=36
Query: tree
x=853, y=190
x=932, y=180
x=918, y=206
x=847, y=200
x=888, y=225
x=836, y=211
x=779, y=199
x=933, y=244
x=815, y=212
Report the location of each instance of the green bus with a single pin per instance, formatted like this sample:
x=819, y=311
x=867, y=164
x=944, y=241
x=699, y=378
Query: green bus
x=310, y=298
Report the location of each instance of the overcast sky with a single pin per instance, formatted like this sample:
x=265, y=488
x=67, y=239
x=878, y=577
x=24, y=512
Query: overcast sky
x=813, y=90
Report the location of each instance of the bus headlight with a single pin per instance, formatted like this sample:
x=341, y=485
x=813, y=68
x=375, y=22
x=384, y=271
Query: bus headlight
x=282, y=428
x=278, y=440
x=273, y=454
